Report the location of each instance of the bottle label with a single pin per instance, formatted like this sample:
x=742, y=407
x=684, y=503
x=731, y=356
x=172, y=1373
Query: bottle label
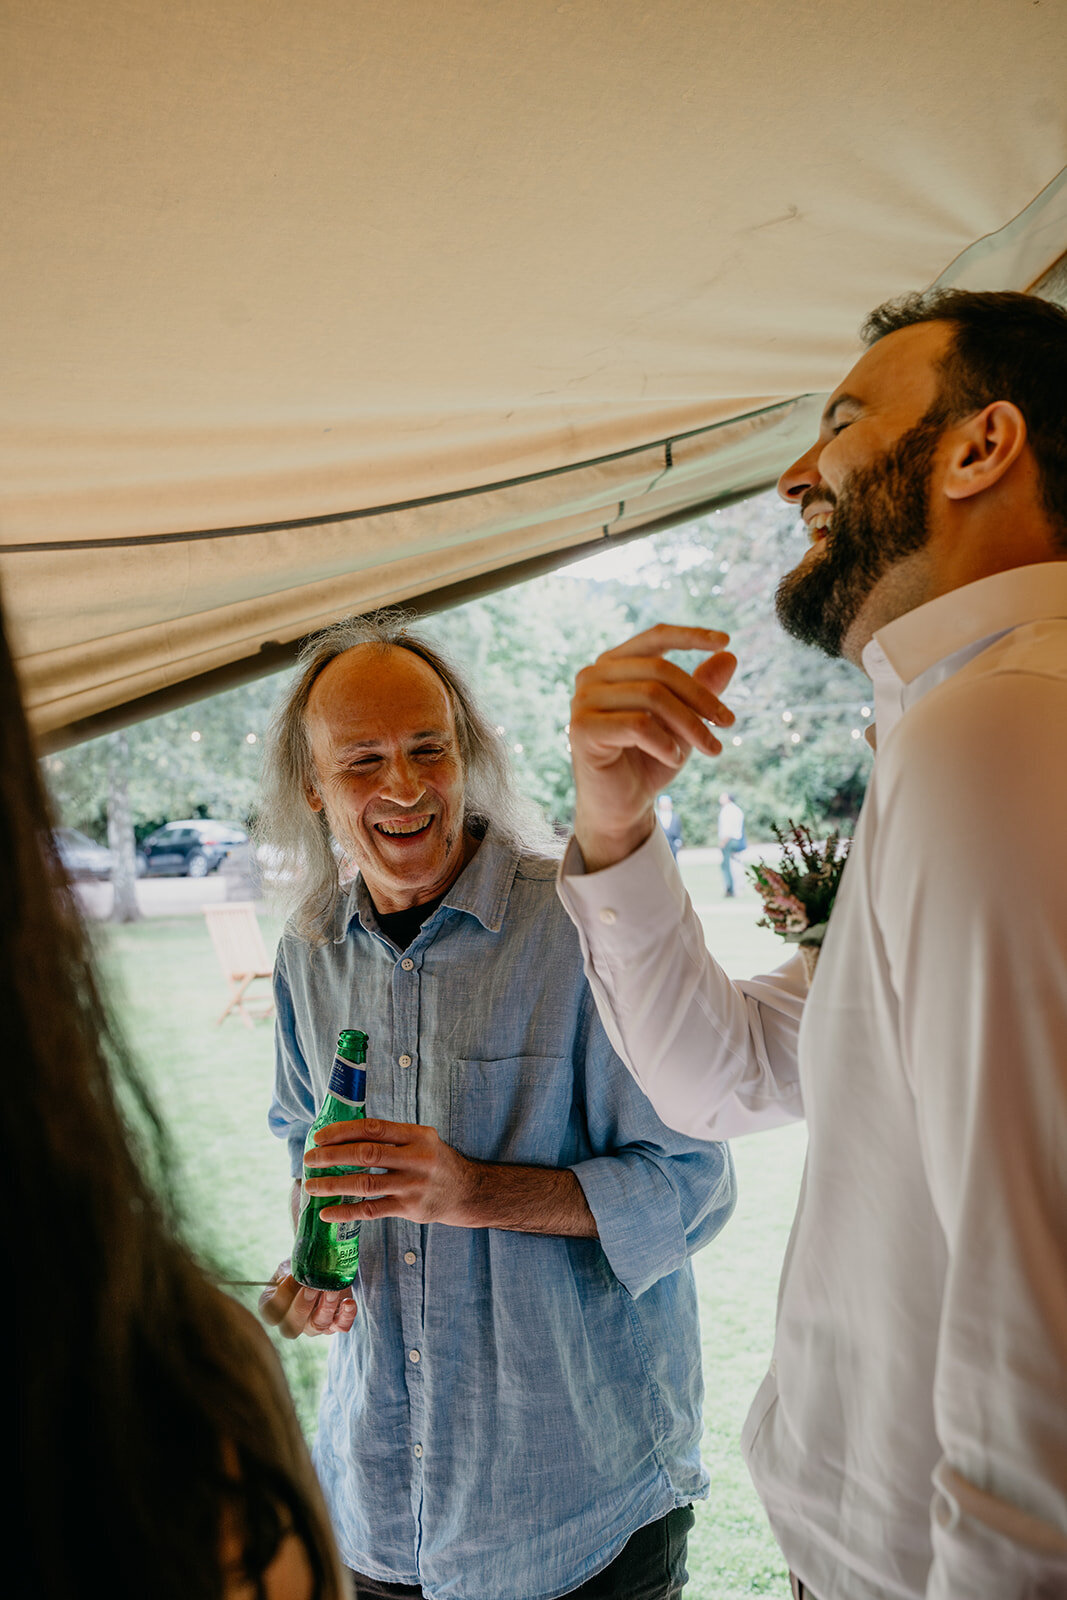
x=348, y=1082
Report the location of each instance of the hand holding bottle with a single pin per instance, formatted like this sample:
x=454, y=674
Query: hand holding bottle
x=294, y=1310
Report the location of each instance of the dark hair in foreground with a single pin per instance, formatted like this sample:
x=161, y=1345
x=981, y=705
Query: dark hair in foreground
x=1006, y=346
x=152, y=1421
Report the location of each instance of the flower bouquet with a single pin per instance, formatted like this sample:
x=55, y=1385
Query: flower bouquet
x=798, y=898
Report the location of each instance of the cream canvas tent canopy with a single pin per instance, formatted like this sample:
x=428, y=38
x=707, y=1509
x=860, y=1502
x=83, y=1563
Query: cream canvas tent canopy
x=313, y=307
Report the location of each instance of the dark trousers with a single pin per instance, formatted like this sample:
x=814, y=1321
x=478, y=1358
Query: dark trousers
x=799, y=1590
x=650, y=1566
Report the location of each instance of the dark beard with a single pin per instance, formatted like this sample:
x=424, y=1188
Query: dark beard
x=880, y=516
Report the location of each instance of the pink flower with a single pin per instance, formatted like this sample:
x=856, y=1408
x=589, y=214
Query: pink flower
x=786, y=911
x=774, y=881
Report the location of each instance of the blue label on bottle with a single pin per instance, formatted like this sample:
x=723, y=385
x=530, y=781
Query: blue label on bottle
x=348, y=1082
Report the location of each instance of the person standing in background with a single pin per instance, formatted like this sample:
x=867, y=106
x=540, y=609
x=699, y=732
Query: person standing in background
x=670, y=823
x=731, y=838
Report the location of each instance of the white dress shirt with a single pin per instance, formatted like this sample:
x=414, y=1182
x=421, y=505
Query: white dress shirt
x=910, y=1438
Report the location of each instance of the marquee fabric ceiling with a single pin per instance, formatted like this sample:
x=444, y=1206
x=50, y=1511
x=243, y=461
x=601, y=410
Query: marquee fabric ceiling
x=313, y=307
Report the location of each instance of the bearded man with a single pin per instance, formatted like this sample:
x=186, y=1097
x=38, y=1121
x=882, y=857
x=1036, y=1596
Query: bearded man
x=512, y=1407
x=910, y=1439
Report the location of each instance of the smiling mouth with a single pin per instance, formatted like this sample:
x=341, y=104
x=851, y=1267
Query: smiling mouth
x=819, y=525
x=403, y=827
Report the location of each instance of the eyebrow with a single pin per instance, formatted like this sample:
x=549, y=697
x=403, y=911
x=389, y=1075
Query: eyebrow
x=349, y=746
x=830, y=414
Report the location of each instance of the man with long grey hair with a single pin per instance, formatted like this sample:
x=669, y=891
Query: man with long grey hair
x=515, y=1409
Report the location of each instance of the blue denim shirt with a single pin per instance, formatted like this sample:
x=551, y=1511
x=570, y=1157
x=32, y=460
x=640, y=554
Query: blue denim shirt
x=508, y=1408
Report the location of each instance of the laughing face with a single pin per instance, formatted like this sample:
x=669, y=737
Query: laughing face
x=864, y=492
x=388, y=773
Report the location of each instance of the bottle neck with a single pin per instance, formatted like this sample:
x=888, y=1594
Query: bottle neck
x=348, y=1081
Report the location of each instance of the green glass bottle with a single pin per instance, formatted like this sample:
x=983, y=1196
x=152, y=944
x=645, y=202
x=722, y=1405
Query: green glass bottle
x=326, y=1254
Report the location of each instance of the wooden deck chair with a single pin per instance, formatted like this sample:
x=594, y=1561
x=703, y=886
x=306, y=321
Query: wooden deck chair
x=243, y=957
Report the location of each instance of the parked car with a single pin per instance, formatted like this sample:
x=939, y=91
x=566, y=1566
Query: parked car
x=81, y=856
x=188, y=849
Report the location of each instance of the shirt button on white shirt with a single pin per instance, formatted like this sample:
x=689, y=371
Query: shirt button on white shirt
x=608, y=915
x=414, y=1355
x=410, y=1257
x=405, y=1061
x=407, y=964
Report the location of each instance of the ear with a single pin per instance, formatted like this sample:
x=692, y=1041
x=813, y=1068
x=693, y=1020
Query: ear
x=313, y=798
x=984, y=448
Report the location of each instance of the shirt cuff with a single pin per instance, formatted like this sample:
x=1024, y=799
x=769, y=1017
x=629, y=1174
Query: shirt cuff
x=636, y=1213
x=645, y=888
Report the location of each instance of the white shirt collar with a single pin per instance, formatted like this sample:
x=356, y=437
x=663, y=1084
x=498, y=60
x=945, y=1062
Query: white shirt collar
x=913, y=653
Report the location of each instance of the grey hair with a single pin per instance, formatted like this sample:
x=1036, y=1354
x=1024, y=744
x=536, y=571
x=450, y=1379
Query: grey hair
x=301, y=850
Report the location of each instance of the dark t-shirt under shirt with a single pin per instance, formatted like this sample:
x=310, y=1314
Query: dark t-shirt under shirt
x=403, y=926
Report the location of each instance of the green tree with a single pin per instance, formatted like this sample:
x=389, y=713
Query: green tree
x=201, y=761
x=522, y=648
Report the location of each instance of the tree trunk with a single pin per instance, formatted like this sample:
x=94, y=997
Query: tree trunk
x=120, y=833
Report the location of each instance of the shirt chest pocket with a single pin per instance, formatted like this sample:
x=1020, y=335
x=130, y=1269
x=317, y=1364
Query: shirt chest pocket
x=516, y=1110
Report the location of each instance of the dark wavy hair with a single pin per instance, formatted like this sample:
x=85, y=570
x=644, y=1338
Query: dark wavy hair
x=157, y=1451
x=1005, y=346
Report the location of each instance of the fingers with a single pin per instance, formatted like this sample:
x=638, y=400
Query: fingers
x=328, y=1311
x=621, y=682
x=363, y=1128
x=668, y=636
x=275, y=1301
x=715, y=673
x=413, y=1173
x=294, y=1309
x=402, y=1154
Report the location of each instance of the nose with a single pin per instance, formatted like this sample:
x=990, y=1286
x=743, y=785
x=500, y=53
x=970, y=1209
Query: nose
x=401, y=782
x=800, y=477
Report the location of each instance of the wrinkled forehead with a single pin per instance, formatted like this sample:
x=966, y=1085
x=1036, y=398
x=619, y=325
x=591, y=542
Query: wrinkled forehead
x=377, y=692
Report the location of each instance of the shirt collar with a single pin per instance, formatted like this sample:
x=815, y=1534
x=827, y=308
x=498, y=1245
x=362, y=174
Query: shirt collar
x=913, y=653
x=482, y=889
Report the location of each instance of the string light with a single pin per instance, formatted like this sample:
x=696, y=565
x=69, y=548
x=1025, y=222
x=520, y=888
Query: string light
x=250, y=738
x=195, y=737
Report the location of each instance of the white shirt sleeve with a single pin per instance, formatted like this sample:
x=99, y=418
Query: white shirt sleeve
x=716, y=1058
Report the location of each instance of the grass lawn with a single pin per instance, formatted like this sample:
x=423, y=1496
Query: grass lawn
x=213, y=1086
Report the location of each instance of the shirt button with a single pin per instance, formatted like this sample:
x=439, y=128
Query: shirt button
x=405, y=1061
x=407, y=963
x=410, y=1257
x=608, y=915
x=413, y=1355
x=418, y=1452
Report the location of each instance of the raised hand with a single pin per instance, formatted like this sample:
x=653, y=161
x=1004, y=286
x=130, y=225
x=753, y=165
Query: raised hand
x=635, y=717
